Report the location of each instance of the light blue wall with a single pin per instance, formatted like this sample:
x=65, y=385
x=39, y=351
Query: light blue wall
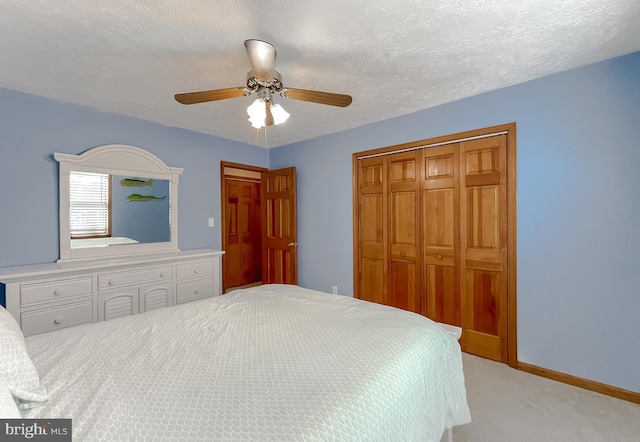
x=578, y=156
x=33, y=128
x=144, y=221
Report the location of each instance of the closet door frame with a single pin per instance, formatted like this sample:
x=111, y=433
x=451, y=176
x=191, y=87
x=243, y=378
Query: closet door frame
x=509, y=130
x=224, y=165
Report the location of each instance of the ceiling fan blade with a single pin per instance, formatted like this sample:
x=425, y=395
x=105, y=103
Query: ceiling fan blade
x=329, y=98
x=214, y=95
x=262, y=56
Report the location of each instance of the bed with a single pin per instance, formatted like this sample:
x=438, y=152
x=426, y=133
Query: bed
x=274, y=362
x=101, y=242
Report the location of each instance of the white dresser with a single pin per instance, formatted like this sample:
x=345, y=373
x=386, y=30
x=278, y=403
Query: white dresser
x=48, y=297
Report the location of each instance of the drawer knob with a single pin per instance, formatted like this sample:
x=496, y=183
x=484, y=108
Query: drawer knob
x=57, y=321
x=439, y=256
x=196, y=291
x=162, y=274
x=195, y=271
x=57, y=292
x=110, y=282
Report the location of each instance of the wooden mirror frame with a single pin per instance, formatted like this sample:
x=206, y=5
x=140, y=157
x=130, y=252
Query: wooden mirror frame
x=121, y=160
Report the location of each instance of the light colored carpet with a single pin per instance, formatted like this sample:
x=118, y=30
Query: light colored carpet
x=509, y=405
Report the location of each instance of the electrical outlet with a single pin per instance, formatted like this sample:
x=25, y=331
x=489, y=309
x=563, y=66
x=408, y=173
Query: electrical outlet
x=211, y=223
x=335, y=289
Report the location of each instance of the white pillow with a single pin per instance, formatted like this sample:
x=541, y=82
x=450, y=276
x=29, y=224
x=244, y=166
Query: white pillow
x=8, y=409
x=16, y=367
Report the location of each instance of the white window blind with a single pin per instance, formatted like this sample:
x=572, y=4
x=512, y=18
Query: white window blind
x=89, y=205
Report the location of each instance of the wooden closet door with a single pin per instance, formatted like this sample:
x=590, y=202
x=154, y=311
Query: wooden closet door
x=434, y=232
x=233, y=222
x=404, y=230
x=483, y=244
x=371, y=280
x=256, y=233
x=440, y=231
x=243, y=230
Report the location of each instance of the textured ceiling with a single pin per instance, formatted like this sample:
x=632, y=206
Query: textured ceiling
x=394, y=57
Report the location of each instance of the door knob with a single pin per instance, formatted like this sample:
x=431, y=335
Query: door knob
x=293, y=244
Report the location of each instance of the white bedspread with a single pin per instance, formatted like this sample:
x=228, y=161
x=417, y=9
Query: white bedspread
x=276, y=362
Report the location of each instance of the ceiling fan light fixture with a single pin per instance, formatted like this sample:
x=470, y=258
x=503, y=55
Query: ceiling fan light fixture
x=279, y=114
x=257, y=112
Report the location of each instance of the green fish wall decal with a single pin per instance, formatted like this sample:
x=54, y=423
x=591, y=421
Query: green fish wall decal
x=136, y=182
x=138, y=197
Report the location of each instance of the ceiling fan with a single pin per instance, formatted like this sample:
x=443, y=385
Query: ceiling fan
x=264, y=81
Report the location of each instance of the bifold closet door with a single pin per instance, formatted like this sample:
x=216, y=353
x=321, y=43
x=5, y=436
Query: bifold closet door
x=404, y=230
x=389, y=235
x=371, y=280
x=432, y=235
x=440, y=233
x=483, y=245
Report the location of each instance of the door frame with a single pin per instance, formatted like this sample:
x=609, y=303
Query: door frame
x=223, y=210
x=510, y=130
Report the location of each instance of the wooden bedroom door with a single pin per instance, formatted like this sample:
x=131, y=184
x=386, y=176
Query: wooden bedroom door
x=280, y=238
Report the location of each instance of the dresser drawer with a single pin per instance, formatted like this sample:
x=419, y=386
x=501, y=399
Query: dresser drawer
x=54, y=290
x=197, y=268
x=110, y=280
x=193, y=290
x=41, y=321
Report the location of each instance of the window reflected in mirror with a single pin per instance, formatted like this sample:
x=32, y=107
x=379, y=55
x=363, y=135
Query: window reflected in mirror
x=107, y=210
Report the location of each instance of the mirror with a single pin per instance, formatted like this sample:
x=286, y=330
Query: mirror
x=108, y=210
x=116, y=200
